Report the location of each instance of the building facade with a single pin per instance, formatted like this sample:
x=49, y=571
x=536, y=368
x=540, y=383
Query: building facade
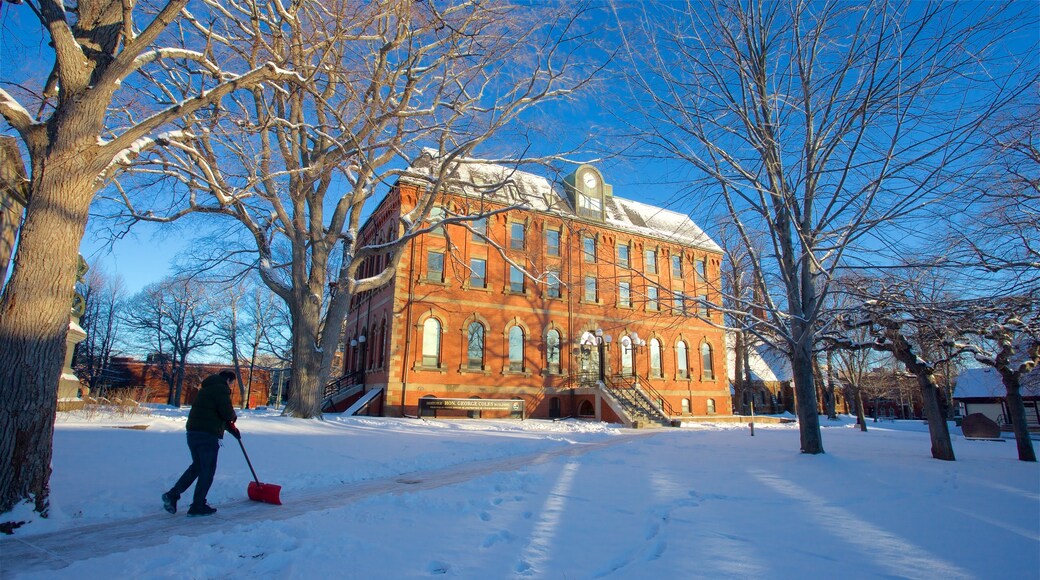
x=568, y=300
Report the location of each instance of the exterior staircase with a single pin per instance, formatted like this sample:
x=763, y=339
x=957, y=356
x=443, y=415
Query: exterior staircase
x=637, y=402
x=341, y=391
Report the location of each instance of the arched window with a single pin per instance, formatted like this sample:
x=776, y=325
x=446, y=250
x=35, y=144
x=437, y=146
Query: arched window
x=552, y=350
x=682, y=360
x=431, y=343
x=626, y=356
x=655, y=358
x=706, y=361
x=516, y=349
x=585, y=409
x=711, y=406
x=475, y=346
x=686, y=406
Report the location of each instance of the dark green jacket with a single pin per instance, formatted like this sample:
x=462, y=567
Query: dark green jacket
x=212, y=408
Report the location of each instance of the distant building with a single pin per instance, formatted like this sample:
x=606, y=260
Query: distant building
x=767, y=384
x=596, y=306
x=143, y=381
x=980, y=390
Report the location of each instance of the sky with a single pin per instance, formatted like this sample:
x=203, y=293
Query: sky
x=396, y=498
x=147, y=253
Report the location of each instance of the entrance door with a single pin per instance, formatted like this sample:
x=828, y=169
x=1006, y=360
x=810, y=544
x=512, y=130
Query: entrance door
x=589, y=365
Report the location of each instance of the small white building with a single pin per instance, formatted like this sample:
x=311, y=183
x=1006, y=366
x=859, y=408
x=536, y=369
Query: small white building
x=980, y=390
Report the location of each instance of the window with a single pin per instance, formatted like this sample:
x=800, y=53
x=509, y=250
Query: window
x=435, y=266
x=698, y=266
x=554, y=286
x=475, y=346
x=516, y=236
x=702, y=307
x=588, y=249
x=590, y=289
x=479, y=230
x=655, y=358
x=706, y=362
x=431, y=343
x=516, y=349
x=622, y=256
x=437, y=214
x=680, y=303
x=711, y=406
x=552, y=242
x=625, y=294
x=685, y=406
x=552, y=351
x=682, y=360
x=477, y=273
x=516, y=280
x=651, y=297
x=650, y=259
x=676, y=266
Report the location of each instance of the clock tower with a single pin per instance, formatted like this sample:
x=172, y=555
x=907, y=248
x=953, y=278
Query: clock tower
x=587, y=192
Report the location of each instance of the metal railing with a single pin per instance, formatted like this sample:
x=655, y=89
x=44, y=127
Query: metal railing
x=342, y=383
x=628, y=393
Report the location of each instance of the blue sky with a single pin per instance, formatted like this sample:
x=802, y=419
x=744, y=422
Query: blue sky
x=146, y=254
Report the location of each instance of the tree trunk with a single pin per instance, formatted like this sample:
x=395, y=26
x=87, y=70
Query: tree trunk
x=738, y=369
x=1017, y=411
x=305, y=393
x=830, y=403
x=805, y=399
x=34, y=321
x=861, y=416
x=938, y=428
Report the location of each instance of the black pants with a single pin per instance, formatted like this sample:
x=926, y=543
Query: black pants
x=204, y=448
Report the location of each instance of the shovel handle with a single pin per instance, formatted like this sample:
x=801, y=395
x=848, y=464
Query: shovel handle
x=248, y=462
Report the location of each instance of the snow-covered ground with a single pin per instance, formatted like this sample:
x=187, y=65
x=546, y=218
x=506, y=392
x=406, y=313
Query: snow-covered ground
x=403, y=498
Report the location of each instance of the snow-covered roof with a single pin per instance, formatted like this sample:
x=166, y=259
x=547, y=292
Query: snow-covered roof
x=766, y=363
x=501, y=184
x=986, y=382
x=658, y=222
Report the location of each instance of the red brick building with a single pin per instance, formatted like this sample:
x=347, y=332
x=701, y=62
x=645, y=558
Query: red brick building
x=579, y=303
x=145, y=383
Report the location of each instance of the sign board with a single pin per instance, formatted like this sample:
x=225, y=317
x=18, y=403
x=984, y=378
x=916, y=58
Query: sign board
x=514, y=406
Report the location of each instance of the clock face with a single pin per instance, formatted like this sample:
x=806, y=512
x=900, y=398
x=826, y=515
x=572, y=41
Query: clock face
x=590, y=180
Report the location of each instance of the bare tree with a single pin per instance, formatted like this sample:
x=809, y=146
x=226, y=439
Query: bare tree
x=246, y=316
x=90, y=120
x=897, y=316
x=1008, y=340
x=175, y=318
x=819, y=123
x=394, y=91
x=1001, y=240
x=105, y=297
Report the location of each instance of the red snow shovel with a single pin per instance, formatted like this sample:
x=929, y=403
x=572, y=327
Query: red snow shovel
x=265, y=492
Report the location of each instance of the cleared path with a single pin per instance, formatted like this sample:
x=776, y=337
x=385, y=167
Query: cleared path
x=56, y=550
